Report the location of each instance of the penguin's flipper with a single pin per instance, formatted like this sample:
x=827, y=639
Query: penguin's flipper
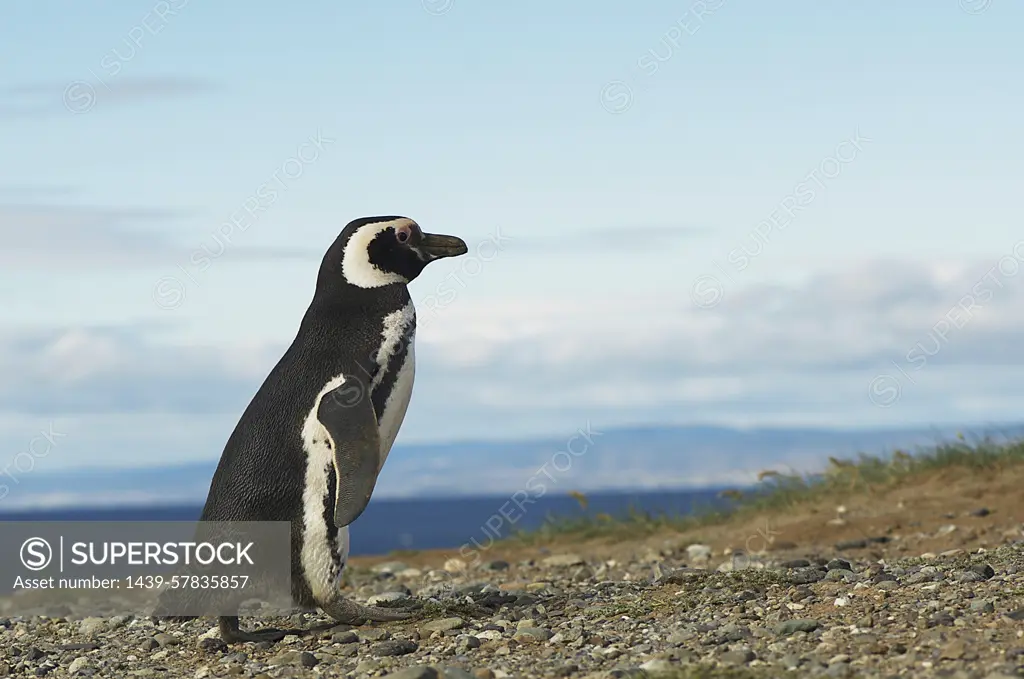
x=348, y=416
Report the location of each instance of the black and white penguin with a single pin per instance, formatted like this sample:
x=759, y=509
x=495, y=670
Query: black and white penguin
x=312, y=441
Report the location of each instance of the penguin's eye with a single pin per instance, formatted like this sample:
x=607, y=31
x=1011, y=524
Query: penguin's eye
x=403, y=234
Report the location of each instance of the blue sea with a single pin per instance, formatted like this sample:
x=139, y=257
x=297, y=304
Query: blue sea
x=388, y=525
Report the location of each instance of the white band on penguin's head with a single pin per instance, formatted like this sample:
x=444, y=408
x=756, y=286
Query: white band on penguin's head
x=356, y=266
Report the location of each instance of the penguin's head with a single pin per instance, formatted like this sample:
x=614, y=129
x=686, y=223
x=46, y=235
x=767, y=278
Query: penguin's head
x=372, y=252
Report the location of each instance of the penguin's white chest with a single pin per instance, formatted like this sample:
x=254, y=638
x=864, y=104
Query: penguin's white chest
x=397, y=352
x=322, y=558
x=397, y=404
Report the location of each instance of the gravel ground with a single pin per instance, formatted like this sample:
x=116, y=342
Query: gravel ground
x=673, y=608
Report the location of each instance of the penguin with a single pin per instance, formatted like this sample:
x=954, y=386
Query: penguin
x=312, y=441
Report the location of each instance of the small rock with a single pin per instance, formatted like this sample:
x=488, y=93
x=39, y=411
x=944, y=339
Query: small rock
x=795, y=563
x=796, y=625
x=386, y=597
x=497, y=566
x=418, y=672
x=984, y=570
x=737, y=657
x=532, y=634
x=657, y=665
x=92, y=626
x=456, y=673
x=484, y=674
x=955, y=650
x=77, y=665
x=444, y=624
x=212, y=645
x=838, y=574
x=806, y=576
x=373, y=634
x=839, y=564
x=563, y=560
x=982, y=511
x=698, y=553
x=850, y=544
x=982, y=606
x=348, y=637
x=466, y=642
x=396, y=647
x=454, y=565
x=165, y=640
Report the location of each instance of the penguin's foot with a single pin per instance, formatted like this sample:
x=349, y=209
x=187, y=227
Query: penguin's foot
x=350, y=613
x=231, y=633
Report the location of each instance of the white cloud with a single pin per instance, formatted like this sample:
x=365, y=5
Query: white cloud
x=804, y=354
x=77, y=236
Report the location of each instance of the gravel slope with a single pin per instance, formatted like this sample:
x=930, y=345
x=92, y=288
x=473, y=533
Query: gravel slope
x=671, y=609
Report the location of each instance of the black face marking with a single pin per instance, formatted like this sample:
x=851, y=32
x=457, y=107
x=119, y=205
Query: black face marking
x=392, y=251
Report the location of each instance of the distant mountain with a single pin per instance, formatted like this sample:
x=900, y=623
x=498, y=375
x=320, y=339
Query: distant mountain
x=612, y=460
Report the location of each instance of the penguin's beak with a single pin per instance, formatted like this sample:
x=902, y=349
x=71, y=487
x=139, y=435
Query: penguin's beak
x=436, y=246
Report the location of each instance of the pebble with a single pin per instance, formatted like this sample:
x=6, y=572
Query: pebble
x=444, y=624
x=77, y=665
x=563, y=560
x=532, y=634
x=796, y=625
x=386, y=597
x=392, y=648
x=418, y=672
x=92, y=626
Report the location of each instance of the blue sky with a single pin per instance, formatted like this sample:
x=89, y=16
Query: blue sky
x=623, y=155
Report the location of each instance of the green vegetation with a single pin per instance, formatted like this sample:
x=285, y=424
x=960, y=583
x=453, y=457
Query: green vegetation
x=776, y=491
